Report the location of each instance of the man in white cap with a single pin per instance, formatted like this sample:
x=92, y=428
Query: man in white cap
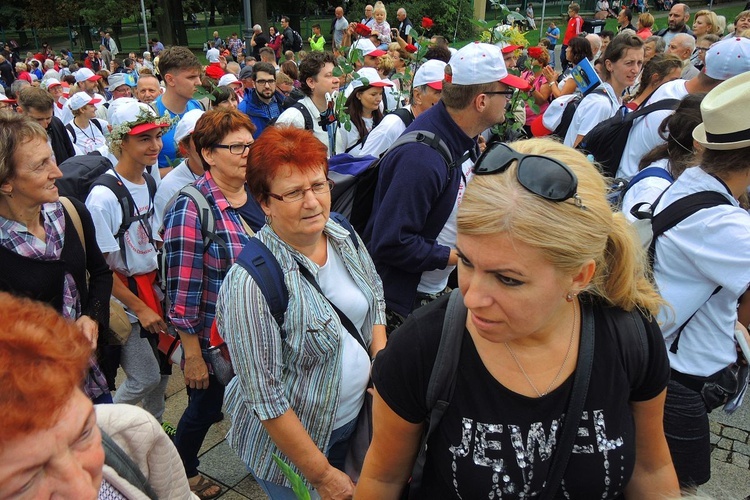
x=370, y=53
x=183, y=174
x=55, y=88
x=86, y=132
x=724, y=60
x=412, y=229
x=426, y=90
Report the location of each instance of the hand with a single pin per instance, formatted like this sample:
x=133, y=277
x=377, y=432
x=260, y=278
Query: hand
x=335, y=485
x=550, y=74
x=482, y=143
x=150, y=320
x=196, y=372
x=89, y=328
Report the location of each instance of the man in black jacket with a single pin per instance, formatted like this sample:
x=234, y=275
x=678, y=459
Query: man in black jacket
x=37, y=104
x=287, y=42
x=679, y=15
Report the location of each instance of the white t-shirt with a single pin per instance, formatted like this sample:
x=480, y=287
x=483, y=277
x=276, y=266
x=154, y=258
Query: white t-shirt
x=90, y=138
x=388, y=130
x=107, y=215
x=436, y=280
x=644, y=136
x=646, y=190
x=341, y=289
x=710, y=248
x=349, y=138
x=593, y=109
x=176, y=179
x=294, y=117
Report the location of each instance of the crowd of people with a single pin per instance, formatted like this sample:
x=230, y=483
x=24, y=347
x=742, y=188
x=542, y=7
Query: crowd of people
x=495, y=328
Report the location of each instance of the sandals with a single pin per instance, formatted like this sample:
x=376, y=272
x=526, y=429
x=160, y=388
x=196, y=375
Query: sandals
x=204, y=484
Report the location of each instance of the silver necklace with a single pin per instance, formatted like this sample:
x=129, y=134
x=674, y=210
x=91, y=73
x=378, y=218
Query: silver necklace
x=559, y=372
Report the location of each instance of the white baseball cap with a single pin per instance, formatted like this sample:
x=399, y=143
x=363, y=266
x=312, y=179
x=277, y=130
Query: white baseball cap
x=229, y=79
x=371, y=76
x=431, y=73
x=85, y=74
x=52, y=82
x=118, y=80
x=81, y=99
x=368, y=48
x=478, y=63
x=728, y=58
x=129, y=113
x=186, y=125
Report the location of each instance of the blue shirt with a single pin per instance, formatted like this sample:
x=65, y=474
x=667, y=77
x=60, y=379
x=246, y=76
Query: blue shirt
x=553, y=31
x=168, y=153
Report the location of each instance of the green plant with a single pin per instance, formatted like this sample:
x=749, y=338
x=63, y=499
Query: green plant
x=298, y=485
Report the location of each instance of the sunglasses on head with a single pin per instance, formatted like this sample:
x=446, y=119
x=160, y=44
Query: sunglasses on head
x=541, y=175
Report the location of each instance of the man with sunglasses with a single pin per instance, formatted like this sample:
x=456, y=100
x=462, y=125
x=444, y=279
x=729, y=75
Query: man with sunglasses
x=263, y=103
x=412, y=229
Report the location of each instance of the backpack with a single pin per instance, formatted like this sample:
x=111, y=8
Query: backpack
x=355, y=178
x=559, y=114
x=406, y=116
x=296, y=42
x=630, y=334
x=79, y=174
x=607, y=140
x=620, y=187
x=127, y=204
x=69, y=127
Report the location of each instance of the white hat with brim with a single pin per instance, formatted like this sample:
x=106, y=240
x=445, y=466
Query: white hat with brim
x=186, y=125
x=725, y=126
x=368, y=75
x=728, y=58
x=477, y=63
x=130, y=113
x=84, y=74
x=229, y=79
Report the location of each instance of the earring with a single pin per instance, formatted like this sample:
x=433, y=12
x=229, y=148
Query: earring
x=570, y=296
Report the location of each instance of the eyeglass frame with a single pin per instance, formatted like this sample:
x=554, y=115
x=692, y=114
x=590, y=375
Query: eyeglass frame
x=280, y=197
x=265, y=83
x=245, y=147
x=571, y=193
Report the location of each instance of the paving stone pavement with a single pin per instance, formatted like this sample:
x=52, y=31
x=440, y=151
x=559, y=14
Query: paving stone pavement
x=730, y=458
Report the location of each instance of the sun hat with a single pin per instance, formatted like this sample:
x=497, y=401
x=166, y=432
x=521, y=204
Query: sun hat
x=431, y=73
x=85, y=74
x=547, y=122
x=229, y=79
x=81, y=99
x=368, y=48
x=137, y=118
x=186, y=125
x=478, y=63
x=723, y=128
x=371, y=76
x=119, y=79
x=728, y=58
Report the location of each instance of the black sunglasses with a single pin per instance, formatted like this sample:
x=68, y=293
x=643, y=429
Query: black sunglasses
x=541, y=175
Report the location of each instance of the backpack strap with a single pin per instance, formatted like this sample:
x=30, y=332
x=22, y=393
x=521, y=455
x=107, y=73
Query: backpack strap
x=428, y=139
x=69, y=128
x=442, y=380
x=343, y=221
x=632, y=339
x=75, y=218
x=648, y=172
x=205, y=217
x=115, y=457
x=406, y=115
x=305, y=114
x=96, y=122
x=262, y=265
x=662, y=105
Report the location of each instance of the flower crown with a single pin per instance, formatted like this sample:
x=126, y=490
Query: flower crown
x=118, y=132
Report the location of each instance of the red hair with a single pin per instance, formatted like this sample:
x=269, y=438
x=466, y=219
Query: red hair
x=43, y=358
x=279, y=147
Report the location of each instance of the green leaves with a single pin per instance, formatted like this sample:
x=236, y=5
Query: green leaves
x=298, y=485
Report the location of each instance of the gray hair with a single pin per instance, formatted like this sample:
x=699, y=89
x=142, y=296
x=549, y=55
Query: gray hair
x=685, y=40
x=659, y=44
x=257, y=28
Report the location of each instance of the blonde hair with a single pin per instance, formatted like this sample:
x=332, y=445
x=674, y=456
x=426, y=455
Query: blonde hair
x=567, y=235
x=385, y=64
x=712, y=19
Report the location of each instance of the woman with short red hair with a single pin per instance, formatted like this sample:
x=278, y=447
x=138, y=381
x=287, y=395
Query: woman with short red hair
x=298, y=392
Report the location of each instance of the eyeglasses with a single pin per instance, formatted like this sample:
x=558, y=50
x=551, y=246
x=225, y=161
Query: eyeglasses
x=265, y=82
x=702, y=49
x=541, y=175
x=506, y=93
x=235, y=149
x=298, y=194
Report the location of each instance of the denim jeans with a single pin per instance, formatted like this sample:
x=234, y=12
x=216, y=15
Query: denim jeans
x=203, y=410
x=338, y=445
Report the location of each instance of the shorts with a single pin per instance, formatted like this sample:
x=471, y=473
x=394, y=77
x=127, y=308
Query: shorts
x=687, y=432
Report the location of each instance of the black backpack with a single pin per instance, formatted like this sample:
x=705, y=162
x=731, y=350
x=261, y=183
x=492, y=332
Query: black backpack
x=79, y=174
x=567, y=116
x=296, y=42
x=607, y=140
x=406, y=116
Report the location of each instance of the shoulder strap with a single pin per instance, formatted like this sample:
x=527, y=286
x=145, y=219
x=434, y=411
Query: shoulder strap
x=305, y=114
x=343, y=221
x=406, y=115
x=75, y=218
x=262, y=265
x=428, y=139
x=648, y=172
x=657, y=106
x=96, y=122
x=442, y=380
x=69, y=128
x=684, y=208
x=124, y=198
x=115, y=457
x=205, y=216
x=574, y=409
x=633, y=342
x=151, y=185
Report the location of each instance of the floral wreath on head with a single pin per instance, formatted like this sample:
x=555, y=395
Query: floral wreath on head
x=118, y=132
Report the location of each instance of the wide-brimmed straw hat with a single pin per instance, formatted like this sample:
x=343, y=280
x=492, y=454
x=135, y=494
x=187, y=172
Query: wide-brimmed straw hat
x=726, y=122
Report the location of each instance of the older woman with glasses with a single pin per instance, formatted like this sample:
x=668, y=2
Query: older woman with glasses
x=561, y=371
x=197, y=266
x=300, y=387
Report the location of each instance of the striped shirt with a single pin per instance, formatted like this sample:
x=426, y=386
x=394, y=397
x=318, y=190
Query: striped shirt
x=195, y=273
x=303, y=371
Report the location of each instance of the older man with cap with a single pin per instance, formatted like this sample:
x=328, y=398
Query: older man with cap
x=427, y=87
x=724, y=60
x=702, y=269
x=120, y=86
x=55, y=89
x=187, y=172
x=412, y=229
x=370, y=53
